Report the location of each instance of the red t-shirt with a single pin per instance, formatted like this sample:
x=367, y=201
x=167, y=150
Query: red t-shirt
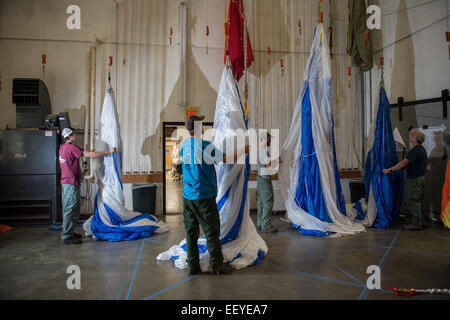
x=69, y=156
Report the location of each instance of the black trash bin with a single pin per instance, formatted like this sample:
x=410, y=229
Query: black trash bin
x=144, y=197
x=357, y=190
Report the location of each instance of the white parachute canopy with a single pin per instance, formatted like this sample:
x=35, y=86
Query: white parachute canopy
x=309, y=176
x=241, y=244
x=111, y=220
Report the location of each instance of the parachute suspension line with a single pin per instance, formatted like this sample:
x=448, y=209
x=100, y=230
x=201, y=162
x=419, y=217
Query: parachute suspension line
x=330, y=29
x=140, y=8
x=130, y=129
x=321, y=21
x=227, y=33
x=110, y=63
x=349, y=65
x=366, y=33
x=349, y=68
x=245, y=47
x=280, y=84
x=269, y=123
x=124, y=48
x=448, y=24
x=320, y=12
x=246, y=111
x=300, y=27
x=207, y=27
x=225, y=10
x=263, y=114
x=110, y=60
x=116, y=37
x=447, y=34
x=44, y=55
x=281, y=42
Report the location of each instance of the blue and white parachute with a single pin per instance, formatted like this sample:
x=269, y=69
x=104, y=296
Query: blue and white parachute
x=241, y=244
x=384, y=192
x=111, y=220
x=309, y=175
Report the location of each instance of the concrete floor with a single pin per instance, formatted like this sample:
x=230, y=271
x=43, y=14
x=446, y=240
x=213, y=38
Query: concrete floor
x=174, y=195
x=33, y=266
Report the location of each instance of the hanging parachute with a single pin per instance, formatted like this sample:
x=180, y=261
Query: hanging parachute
x=241, y=244
x=111, y=220
x=309, y=175
x=384, y=192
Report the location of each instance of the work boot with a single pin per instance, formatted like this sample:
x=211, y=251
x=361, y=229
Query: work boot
x=224, y=268
x=270, y=230
x=77, y=236
x=411, y=227
x=194, y=270
x=71, y=240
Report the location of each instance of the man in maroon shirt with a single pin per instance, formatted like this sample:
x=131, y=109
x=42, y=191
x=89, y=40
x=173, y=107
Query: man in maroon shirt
x=69, y=156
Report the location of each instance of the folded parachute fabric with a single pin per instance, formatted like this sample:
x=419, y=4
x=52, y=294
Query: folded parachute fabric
x=111, y=220
x=383, y=191
x=241, y=244
x=309, y=175
x=445, y=213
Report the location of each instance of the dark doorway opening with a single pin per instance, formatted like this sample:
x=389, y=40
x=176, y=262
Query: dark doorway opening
x=174, y=134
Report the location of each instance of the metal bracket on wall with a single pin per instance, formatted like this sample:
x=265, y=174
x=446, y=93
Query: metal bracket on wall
x=444, y=98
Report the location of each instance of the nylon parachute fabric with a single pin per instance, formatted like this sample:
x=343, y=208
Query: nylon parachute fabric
x=383, y=191
x=309, y=175
x=241, y=244
x=111, y=220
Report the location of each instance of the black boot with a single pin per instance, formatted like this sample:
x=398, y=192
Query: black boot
x=194, y=270
x=71, y=240
x=224, y=268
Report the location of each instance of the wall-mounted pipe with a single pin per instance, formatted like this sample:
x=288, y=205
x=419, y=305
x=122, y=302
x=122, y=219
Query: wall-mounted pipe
x=91, y=87
x=86, y=167
x=183, y=33
x=93, y=93
x=87, y=98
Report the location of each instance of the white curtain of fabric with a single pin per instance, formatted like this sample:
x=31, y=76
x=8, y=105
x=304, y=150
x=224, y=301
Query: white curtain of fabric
x=273, y=93
x=140, y=50
x=144, y=57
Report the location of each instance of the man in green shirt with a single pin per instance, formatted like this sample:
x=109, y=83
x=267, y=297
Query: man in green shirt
x=416, y=166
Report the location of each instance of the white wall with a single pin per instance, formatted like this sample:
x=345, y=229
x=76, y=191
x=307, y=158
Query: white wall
x=65, y=50
x=412, y=41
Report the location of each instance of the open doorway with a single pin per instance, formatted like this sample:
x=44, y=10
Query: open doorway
x=174, y=133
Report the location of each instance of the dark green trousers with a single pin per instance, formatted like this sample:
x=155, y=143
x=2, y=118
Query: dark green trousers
x=265, y=202
x=204, y=213
x=70, y=209
x=415, y=192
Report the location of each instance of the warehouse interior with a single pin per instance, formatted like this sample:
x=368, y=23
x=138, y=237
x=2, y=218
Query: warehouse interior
x=163, y=60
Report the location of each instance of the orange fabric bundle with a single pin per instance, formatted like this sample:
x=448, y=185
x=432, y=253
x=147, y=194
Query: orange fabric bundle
x=4, y=228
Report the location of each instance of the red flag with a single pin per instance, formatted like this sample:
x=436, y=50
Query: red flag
x=235, y=39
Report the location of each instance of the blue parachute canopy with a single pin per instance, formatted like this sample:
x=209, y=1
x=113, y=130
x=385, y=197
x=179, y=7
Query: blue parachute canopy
x=384, y=193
